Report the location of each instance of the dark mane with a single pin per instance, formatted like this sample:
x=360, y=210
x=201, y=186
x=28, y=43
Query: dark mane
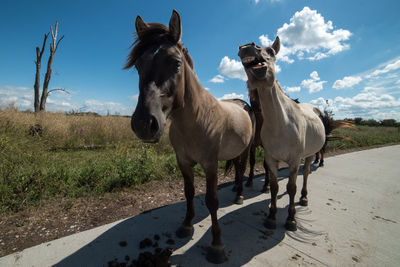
x=155, y=33
x=188, y=58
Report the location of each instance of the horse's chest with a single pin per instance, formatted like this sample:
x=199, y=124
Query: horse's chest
x=281, y=144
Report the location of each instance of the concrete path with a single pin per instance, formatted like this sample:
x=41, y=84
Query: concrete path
x=353, y=218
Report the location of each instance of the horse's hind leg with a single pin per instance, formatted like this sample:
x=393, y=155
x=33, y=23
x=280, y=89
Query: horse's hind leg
x=186, y=229
x=306, y=172
x=291, y=188
x=316, y=158
x=265, y=188
x=252, y=163
x=215, y=253
x=321, y=162
x=240, y=167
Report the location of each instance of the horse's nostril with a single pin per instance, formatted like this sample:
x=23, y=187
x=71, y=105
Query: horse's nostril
x=153, y=125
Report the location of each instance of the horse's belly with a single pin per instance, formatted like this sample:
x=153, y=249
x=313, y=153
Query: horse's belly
x=237, y=137
x=315, y=139
x=232, y=146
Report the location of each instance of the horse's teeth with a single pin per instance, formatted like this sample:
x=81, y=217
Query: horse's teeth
x=248, y=59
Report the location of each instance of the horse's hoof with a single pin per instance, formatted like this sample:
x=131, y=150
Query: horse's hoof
x=265, y=189
x=291, y=225
x=270, y=223
x=315, y=161
x=249, y=184
x=321, y=164
x=216, y=255
x=234, y=188
x=184, y=231
x=303, y=202
x=239, y=200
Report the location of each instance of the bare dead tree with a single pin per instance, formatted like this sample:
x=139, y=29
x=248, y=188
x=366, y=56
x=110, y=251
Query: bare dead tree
x=39, y=52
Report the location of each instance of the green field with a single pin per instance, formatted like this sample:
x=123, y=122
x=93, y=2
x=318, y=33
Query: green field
x=83, y=156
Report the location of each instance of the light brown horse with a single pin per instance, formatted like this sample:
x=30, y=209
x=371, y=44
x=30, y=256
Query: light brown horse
x=290, y=131
x=203, y=130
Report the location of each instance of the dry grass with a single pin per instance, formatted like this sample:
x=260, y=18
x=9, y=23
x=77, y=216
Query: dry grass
x=61, y=130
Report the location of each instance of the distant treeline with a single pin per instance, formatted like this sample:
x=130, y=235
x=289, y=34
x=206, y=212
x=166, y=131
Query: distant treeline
x=372, y=122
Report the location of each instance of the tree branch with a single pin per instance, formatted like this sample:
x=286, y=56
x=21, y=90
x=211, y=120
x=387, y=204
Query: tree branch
x=57, y=89
x=58, y=43
x=44, y=44
x=54, y=36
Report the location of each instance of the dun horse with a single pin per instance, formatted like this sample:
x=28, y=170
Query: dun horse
x=203, y=130
x=290, y=131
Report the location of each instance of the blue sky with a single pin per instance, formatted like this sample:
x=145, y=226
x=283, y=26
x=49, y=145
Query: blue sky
x=346, y=52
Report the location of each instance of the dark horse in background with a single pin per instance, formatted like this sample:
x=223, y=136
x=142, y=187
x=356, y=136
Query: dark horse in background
x=203, y=130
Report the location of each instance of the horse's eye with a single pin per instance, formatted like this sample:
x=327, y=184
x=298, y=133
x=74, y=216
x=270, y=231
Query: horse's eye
x=177, y=64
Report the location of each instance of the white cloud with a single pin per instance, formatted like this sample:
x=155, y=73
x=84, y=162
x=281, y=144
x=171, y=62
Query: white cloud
x=366, y=105
x=389, y=67
x=313, y=85
x=232, y=68
x=308, y=36
x=347, y=81
x=106, y=107
x=218, y=79
x=19, y=96
x=22, y=98
x=278, y=68
x=232, y=96
x=292, y=89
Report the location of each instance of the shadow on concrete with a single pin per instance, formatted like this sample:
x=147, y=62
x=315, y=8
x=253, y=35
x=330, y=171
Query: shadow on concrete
x=243, y=232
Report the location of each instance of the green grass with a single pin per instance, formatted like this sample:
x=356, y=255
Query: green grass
x=30, y=172
x=365, y=136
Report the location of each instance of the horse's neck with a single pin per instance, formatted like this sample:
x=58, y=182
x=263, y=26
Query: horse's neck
x=198, y=101
x=275, y=105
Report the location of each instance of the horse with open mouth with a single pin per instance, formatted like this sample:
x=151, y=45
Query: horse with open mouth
x=203, y=130
x=290, y=132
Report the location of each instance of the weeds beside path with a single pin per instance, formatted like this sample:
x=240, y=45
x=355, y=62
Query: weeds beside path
x=47, y=193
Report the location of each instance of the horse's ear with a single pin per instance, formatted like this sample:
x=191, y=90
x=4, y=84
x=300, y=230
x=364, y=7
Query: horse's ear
x=175, y=28
x=276, y=45
x=140, y=26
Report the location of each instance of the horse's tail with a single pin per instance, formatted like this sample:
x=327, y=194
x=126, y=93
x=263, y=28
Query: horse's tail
x=228, y=166
x=330, y=125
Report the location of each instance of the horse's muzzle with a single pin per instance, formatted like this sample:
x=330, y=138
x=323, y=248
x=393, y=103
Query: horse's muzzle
x=146, y=129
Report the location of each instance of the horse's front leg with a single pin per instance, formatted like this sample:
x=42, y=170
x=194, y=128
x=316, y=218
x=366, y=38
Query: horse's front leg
x=216, y=252
x=186, y=229
x=270, y=222
x=306, y=172
x=291, y=188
